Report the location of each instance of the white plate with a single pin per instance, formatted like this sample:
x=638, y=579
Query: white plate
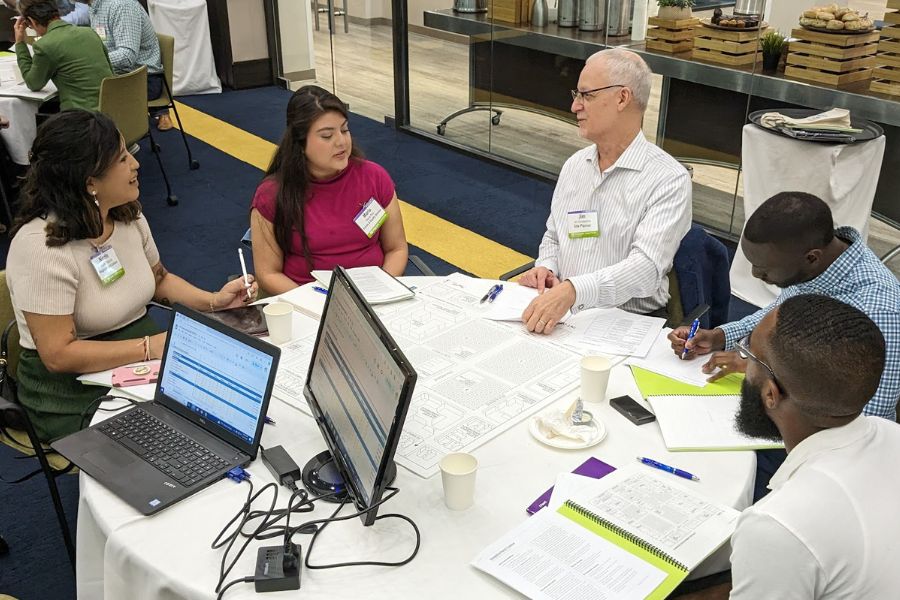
x=568, y=443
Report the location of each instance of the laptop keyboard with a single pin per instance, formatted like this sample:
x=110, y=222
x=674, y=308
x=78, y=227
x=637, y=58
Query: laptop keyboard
x=167, y=449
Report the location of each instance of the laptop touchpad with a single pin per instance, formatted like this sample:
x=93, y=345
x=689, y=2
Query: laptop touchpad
x=110, y=461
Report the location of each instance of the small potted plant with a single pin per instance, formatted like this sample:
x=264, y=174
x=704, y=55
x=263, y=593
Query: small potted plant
x=772, y=44
x=674, y=10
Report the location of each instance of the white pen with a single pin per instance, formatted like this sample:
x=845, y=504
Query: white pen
x=244, y=271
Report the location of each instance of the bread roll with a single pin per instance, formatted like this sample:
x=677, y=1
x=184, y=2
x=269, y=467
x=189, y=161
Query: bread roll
x=850, y=16
x=852, y=25
x=811, y=14
x=819, y=23
x=834, y=24
x=825, y=16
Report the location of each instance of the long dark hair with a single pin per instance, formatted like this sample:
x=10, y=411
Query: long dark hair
x=289, y=167
x=70, y=147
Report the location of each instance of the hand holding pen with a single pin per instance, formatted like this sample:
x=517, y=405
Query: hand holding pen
x=694, y=327
x=244, y=271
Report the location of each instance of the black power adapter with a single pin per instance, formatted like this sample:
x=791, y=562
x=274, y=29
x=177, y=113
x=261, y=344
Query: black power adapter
x=281, y=466
x=277, y=568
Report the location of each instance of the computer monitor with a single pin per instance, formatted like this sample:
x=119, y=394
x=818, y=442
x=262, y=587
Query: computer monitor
x=359, y=387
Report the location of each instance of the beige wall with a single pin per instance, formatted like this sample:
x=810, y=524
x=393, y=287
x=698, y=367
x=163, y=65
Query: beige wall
x=247, y=21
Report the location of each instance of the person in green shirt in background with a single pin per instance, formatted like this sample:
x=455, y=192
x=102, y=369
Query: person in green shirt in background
x=75, y=58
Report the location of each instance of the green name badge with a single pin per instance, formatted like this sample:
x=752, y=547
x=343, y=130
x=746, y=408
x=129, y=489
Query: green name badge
x=107, y=266
x=583, y=224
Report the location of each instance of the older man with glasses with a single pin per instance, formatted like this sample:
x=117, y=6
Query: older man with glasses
x=620, y=208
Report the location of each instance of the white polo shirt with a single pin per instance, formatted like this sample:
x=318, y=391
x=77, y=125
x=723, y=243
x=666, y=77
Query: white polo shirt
x=830, y=527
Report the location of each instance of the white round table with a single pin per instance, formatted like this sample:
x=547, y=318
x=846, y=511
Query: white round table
x=122, y=554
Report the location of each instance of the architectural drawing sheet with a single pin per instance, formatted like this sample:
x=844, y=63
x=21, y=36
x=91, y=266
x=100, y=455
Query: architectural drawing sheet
x=477, y=377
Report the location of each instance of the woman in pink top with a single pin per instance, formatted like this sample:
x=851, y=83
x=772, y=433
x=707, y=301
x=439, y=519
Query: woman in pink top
x=321, y=204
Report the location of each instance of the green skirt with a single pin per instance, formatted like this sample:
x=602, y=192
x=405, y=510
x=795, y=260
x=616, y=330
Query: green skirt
x=57, y=403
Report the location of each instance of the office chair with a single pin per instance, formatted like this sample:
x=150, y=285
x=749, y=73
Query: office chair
x=699, y=276
x=124, y=99
x=413, y=259
x=15, y=425
x=167, y=53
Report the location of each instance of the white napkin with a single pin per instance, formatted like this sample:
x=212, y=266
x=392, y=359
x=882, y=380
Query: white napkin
x=558, y=424
x=834, y=118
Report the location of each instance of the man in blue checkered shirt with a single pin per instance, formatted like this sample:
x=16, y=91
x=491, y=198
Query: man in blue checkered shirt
x=125, y=28
x=791, y=242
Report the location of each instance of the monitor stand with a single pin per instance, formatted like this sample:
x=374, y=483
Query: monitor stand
x=321, y=476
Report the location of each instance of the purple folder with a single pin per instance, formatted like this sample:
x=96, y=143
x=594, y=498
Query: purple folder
x=592, y=467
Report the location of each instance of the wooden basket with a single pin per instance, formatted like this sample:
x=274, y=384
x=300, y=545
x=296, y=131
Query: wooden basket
x=667, y=35
x=517, y=12
x=886, y=76
x=735, y=48
x=830, y=58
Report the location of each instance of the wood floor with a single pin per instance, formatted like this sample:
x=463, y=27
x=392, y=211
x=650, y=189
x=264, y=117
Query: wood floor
x=362, y=75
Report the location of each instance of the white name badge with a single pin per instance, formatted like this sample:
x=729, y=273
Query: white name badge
x=107, y=265
x=583, y=224
x=370, y=218
x=101, y=31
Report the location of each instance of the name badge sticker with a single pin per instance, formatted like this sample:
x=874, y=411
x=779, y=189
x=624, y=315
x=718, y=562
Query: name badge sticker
x=583, y=224
x=370, y=218
x=107, y=265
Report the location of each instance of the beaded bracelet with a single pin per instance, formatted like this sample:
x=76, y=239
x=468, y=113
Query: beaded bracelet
x=212, y=298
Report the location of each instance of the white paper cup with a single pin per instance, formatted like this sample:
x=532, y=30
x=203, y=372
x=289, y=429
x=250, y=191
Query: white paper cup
x=594, y=378
x=458, y=476
x=280, y=321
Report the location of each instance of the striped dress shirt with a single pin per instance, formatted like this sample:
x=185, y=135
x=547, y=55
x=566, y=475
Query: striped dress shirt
x=859, y=279
x=643, y=205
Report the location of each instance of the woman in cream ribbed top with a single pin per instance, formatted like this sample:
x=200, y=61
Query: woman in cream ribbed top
x=79, y=208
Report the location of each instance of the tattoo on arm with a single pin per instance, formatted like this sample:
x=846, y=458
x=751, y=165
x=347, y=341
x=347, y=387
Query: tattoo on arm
x=165, y=302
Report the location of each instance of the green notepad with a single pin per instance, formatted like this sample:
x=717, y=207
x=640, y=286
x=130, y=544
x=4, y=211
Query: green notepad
x=653, y=384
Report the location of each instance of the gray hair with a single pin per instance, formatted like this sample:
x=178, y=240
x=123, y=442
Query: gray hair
x=627, y=68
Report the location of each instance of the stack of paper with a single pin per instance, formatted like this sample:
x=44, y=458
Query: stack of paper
x=703, y=423
x=306, y=299
x=376, y=285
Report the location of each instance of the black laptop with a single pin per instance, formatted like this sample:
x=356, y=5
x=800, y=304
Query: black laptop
x=207, y=417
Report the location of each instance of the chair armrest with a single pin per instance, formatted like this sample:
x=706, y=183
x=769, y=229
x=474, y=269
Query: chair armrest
x=421, y=266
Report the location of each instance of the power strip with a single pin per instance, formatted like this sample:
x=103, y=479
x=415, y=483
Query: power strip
x=277, y=570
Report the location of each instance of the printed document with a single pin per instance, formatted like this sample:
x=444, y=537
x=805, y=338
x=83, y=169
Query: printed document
x=376, y=285
x=662, y=359
x=609, y=331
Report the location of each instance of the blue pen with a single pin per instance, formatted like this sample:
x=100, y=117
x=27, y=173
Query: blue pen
x=270, y=420
x=490, y=293
x=694, y=326
x=658, y=465
x=321, y=290
x=495, y=293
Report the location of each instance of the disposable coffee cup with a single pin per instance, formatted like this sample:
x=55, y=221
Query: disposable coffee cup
x=458, y=476
x=280, y=321
x=594, y=378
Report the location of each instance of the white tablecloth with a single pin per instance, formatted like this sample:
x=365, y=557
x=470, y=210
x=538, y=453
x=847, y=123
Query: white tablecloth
x=843, y=175
x=188, y=22
x=22, y=129
x=124, y=555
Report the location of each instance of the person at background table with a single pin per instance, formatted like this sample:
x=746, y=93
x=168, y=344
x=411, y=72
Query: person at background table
x=321, y=204
x=74, y=13
x=73, y=57
x=790, y=241
x=827, y=528
x=75, y=312
x=125, y=28
x=620, y=208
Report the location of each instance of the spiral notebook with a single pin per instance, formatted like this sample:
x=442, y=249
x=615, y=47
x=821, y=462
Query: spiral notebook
x=633, y=534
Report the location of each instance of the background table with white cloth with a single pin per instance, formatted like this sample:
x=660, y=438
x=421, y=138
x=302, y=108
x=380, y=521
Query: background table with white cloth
x=20, y=112
x=188, y=22
x=843, y=175
x=122, y=554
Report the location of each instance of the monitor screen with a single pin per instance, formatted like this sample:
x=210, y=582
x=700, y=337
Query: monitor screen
x=216, y=376
x=359, y=386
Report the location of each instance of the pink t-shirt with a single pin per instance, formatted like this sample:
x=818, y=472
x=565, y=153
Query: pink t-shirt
x=333, y=238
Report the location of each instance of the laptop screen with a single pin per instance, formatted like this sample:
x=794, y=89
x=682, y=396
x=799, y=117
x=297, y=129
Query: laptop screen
x=359, y=386
x=222, y=377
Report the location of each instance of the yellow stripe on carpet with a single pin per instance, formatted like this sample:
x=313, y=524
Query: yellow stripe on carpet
x=458, y=246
